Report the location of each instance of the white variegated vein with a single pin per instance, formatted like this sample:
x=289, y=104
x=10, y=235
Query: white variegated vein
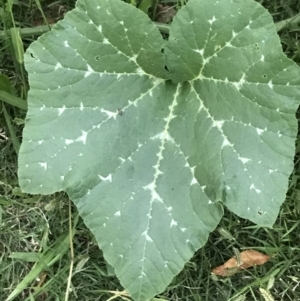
x=110, y=116
x=201, y=51
x=90, y=70
x=226, y=143
x=163, y=137
x=244, y=97
x=252, y=101
x=132, y=58
x=227, y=44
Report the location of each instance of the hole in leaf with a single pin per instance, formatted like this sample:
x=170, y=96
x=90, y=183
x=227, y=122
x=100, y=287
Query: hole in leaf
x=31, y=54
x=166, y=67
x=256, y=46
x=264, y=76
x=259, y=212
x=97, y=58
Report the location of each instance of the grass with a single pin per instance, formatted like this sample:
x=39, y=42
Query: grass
x=38, y=232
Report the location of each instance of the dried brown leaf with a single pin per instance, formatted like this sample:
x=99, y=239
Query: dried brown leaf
x=248, y=258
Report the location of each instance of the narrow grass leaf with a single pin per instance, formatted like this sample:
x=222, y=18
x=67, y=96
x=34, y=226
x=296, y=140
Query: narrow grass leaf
x=38, y=4
x=240, y=298
x=225, y=233
x=257, y=282
x=27, y=256
x=145, y=5
x=31, y=298
x=8, y=6
x=13, y=100
x=81, y=264
x=60, y=276
x=11, y=129
x=17, y=44
x=48, y=258
x=1, y=212
x=271, y=283
x=28, y=31
x=18, y=121
x=5, y=84
x=237, y=256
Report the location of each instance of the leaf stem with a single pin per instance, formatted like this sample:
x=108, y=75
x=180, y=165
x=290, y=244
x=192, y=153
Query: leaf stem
x=164, y=28
x=71, y=251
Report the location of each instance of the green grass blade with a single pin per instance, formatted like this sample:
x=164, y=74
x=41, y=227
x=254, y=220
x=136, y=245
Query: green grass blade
x=47, y=260
x=12, y=132
x=13, y=100
x=9, y=5
x=291, y=23
x=37, y=291
x=31, y=297
x=27, y=256
x=17, y=44
x=29, y=31
x=256, y=283
x=38, y=268
x=6, y=84
x=163, y=28
x=145, y=5
x=1, y=216
x=38, y=4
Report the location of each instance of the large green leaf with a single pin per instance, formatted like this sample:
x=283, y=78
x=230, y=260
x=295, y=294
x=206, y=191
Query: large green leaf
x=149, y=155
x=247, y=93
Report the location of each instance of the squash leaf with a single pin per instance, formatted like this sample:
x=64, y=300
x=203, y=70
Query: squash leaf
x=150, y=138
